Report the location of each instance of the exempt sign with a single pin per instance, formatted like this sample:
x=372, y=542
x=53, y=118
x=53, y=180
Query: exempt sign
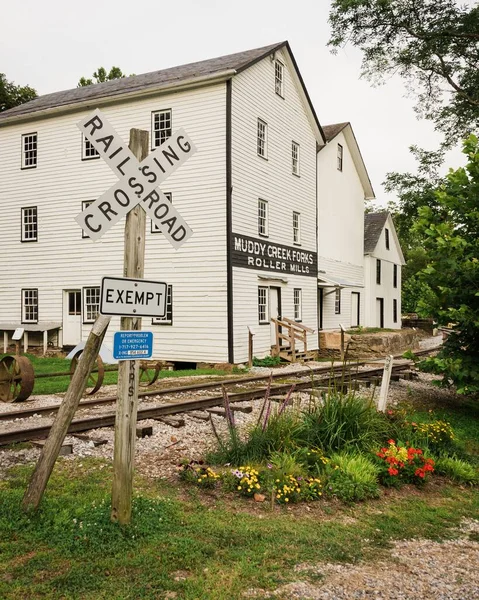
x=132, y=297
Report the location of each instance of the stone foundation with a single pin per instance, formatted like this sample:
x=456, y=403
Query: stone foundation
x=369, y=345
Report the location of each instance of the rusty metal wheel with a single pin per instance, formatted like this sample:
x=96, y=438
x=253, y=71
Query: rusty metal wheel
x=16, y=378
x=95, y=379
x=149, y=373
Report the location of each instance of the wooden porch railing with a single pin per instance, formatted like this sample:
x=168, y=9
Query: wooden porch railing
x=290, y=331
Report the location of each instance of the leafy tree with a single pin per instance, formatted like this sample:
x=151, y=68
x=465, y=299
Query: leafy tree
x=13, y=95
x=101, y=76
x=432, y=44
x=450, y=230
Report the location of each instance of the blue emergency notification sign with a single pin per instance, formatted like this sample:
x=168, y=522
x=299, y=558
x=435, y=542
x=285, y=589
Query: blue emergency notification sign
x=132, y=345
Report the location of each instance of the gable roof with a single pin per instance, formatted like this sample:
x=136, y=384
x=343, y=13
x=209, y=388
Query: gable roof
x=373, y=226
x=192, y=74
x=330, y=132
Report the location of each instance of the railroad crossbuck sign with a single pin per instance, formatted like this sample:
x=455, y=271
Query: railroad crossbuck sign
x=138, y=182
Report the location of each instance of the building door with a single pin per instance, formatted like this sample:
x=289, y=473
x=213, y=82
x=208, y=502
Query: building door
x=380, y=312
x=354, y=309
x=320, y=306
x=274, y=310
x=71, y=317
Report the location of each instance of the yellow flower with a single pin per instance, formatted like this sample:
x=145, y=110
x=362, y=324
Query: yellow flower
x=239, y=487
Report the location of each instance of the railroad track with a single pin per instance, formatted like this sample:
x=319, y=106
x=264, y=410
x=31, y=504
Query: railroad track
x=322, y=377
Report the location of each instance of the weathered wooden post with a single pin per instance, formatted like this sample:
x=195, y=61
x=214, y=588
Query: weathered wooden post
x=383, y=394
x=64, y=417
x=128, y=370
x=250, y=346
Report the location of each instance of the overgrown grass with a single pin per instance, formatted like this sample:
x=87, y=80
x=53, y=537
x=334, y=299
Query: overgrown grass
x=206, y=551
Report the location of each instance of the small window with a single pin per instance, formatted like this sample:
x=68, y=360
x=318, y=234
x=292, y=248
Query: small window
x=395, y=311
x=395, y=276
x=168, y=318
x=297, y=304
x=29, y=224
x=295, y=158
x=85, y=204
x=378, y=271
x=386, y=238
x=154, y=226
x=160, y=127
x=74, y=303
x=30, y=306
x=337, y=302
x=29, y=150
x=263, y=305
x=296, y=228
x=262, y=217
x=88, y=150
x=340, y=157
x=279, y=78
x=91, y=299
x=262, y=139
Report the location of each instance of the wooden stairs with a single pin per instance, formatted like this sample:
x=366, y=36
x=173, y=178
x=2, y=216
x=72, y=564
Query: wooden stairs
x=288, y=333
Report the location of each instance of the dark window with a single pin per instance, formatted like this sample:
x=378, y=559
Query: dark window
x=297, y=304
x=295, y=158
x=340, y=157
x=386, y=237
x=262, y=217
x=262, y=139
x=337, y=302
x=395, y=276
x=30, y=306
x=160, y=127
x=154, y=226
x=29, y=224
x=88, y=150
x=263, y=305
x=85, y=204
x=29, y=150
x=378, y=271
x=91, y=298
x=395, y=311
x=74, y=303
x=168, y=318
x=279, y=78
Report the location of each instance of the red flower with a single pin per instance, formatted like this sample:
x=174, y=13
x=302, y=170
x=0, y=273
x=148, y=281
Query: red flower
x=392, y=471
x=391, y=442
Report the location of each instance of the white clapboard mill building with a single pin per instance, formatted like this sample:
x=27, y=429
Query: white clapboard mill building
x=249, y=194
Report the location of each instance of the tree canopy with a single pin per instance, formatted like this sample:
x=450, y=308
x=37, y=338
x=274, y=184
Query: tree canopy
x=432, y=44
x=101, y=75
x=13, y=95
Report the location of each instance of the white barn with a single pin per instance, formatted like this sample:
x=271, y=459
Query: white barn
x=249, y=195
x=383, y=259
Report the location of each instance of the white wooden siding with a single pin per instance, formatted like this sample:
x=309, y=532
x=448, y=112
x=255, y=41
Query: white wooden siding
x=61, y=259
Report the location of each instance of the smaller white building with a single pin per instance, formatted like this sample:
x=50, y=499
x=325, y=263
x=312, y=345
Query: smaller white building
x=383, y=260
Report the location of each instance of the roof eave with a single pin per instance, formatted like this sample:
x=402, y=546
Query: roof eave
x=120, y=97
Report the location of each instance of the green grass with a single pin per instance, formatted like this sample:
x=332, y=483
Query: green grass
x=58, y=385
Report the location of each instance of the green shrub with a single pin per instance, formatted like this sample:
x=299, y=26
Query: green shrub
x=267, y=361
x=351, y=477
x=456, y=469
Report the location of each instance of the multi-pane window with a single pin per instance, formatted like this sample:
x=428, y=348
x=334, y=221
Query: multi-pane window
x=91, y=296
x=262, y=139
x=88, y=149
x=263, y=305
x=296, y=228
x=340, y=157
x=74, y=303
x=262, y=217
x=378, y=271
x=160, y=127
x=154, y=226
x=85, y=204
x=395, y=311
x=29, y=224
x=395, y=276
x=30, y=306
x=29, y=150
x=295, y=158
x=297, y=304
x=168, y=318
x=279, y=78
x=386, y=238
x=337, y=302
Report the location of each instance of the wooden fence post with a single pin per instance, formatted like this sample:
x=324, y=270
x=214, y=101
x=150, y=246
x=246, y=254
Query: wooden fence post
x=49, y=454
x=383, y=394
x=128, y=371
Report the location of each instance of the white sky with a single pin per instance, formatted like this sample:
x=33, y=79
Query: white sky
x=50, y=44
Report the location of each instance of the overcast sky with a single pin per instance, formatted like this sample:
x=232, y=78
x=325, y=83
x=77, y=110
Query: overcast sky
x=49, y=45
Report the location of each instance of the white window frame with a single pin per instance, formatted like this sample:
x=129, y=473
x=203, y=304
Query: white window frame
x=29, y=224
x=262, y=138
x=340, y=156
x=296, y=228
x=91, y=303
x=297, y=304
x=88, y=150
x=30, y=305
x=279, y=78
x=159, y=133
x=30, y=150
x=295, y=165
x=154, y=226
x=337, y=301
x=262, y=217
x=168, y=318
x=263, y=308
